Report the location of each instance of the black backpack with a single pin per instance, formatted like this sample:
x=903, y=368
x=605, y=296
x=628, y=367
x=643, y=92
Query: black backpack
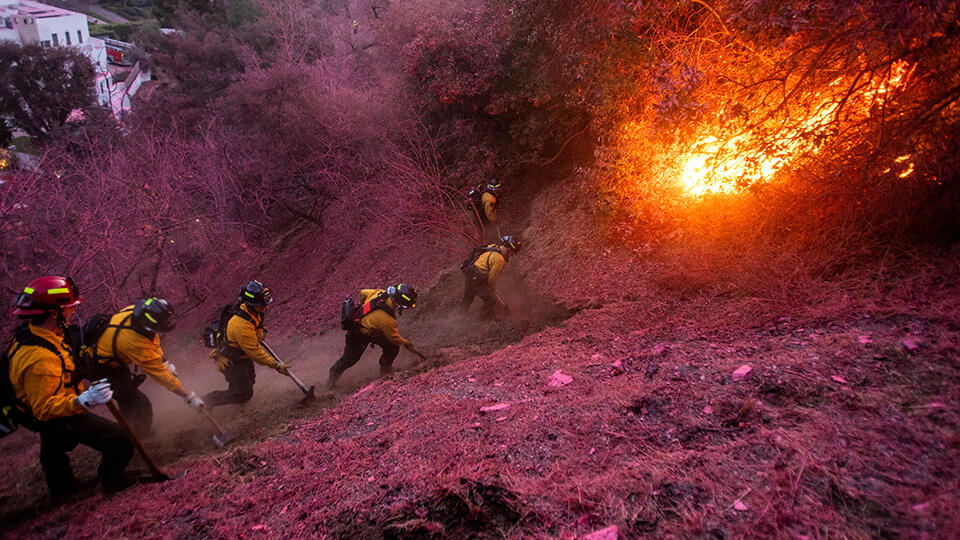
x=215, y=334
x=13, y=412
x=82, y=340
x=351, y=312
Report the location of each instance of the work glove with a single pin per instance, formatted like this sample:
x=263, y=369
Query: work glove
x=193, y=400
x=98, y=394
x=281, y=367
x=222, y=361
x=171, y=368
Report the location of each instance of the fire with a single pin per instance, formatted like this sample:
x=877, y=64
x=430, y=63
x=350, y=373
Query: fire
x=902, y=162
x=716, y=166
x=907, y=172
x=727, y=165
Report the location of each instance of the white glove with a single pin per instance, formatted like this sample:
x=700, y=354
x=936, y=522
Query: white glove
x=98, y=394
x=193, y=400
x=171, y=368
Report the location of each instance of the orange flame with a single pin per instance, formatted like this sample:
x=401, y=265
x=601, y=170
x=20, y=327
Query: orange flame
x=714, y=165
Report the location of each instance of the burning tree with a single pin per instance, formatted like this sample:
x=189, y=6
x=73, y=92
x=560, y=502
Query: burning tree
x=831, y=111
x=824, y=111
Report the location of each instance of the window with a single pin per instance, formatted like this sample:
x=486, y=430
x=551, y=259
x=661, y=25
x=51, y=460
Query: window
x=56, y=40
x=45, y=43
x=79, y=36
x=67, y=35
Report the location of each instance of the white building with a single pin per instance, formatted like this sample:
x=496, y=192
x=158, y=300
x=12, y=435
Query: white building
x=26, y=21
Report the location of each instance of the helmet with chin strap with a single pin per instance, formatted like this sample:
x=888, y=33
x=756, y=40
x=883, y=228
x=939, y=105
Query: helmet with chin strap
x=510, y=243
x=404, y=296
x=255, y=294
x=154, y=315
x=46, y=294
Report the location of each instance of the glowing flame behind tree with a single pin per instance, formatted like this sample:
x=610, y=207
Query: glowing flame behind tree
x=730, y=163
x=840, y=113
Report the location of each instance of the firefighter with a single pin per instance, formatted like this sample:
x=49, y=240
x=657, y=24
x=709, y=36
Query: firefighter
x=481, y=273
x=132, y=339
x=376, y=322
x=485, y=201
x=43, y=378
x=244, y=337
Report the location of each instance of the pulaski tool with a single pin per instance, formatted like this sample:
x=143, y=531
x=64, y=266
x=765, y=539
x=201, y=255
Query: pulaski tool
x=157, y=475
x=222, y=437
x=309, y=395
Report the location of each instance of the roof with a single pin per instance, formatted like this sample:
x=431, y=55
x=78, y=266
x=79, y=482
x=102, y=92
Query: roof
x=34, y=9
x=39, y=10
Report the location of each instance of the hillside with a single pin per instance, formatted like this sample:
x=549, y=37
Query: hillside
x=734, y=313
x=846, y=423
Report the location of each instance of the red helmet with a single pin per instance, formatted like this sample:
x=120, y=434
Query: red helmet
x=46, y=294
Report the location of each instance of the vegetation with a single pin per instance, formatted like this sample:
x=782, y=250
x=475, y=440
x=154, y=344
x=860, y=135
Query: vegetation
x=134, y=10
x=703, y=130
x=25, y=144
x=40, y=87
x=120, y=31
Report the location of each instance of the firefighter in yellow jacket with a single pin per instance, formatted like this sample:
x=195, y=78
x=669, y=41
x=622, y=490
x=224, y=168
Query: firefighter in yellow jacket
x=131, y=338
x=375, y=321
x=481, y=272
x=485, y=202
x=243, y=348
x=49, y=398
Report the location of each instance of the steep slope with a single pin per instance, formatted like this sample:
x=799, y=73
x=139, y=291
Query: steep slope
x=846, y=423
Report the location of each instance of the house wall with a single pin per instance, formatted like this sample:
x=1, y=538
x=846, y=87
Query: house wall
x=69, y=29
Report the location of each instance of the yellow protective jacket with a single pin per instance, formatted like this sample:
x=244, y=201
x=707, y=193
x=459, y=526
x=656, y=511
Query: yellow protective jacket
x=378, y=322
x=489, y=203
x=247, y=336
x=490, y=263
x=134, y=348
x=41, y=382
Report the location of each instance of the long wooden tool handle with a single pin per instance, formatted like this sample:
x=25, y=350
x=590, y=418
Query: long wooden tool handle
x=151, y=464
x=205, y=412
x=298, y=381
x=270, y=351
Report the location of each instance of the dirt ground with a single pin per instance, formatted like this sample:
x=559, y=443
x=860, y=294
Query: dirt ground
x=445, y=334
x=849, y=426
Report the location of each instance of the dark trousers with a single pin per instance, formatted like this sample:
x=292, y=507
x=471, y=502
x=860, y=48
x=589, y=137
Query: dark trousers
x=59, y=436
x=134, y=404
x=356, y=343
x=478, y=287
x=241, y=376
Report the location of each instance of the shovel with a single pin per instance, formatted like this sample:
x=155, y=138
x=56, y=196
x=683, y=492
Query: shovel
x=309, y=395
x=157, y=475
x=222, y=436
